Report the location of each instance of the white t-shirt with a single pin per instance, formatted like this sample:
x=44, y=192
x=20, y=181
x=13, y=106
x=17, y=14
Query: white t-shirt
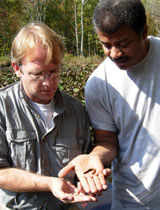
x=46, y=112
x=128, y=102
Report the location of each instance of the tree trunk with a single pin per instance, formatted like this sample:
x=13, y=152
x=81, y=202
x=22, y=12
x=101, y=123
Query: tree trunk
x=76, y=29
x=82, y=27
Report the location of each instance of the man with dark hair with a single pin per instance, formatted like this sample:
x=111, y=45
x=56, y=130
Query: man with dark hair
x=123, y=102
x=111, y=15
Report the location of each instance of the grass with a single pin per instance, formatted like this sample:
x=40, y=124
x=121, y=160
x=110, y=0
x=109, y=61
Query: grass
x=4, y=61
x=68, y=60
x=71, y=60
x=75, y=72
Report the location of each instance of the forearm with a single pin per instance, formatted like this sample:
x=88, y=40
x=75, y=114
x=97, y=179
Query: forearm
x=106, y=146
x=105, y=151
x=18, y=180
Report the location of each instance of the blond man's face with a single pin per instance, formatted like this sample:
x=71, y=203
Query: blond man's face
x=40, y=80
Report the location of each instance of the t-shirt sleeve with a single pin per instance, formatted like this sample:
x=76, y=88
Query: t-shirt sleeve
x=98, y=105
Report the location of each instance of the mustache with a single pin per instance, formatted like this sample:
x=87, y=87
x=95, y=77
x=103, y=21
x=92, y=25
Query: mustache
x=120, y=59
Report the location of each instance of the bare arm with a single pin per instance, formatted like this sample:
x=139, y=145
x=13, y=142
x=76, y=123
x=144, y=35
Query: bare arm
x=106, y=146
x=18, y=180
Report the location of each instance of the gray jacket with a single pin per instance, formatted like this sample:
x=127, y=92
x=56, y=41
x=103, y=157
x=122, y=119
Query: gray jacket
x=25, y=143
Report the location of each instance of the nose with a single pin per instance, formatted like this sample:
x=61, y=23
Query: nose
x=47, y=81
x=114, y=52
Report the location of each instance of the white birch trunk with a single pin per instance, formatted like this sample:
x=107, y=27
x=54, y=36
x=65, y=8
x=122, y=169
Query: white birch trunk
x=82, y=29
x=76, y=29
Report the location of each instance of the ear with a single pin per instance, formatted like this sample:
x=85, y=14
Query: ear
x=145, y=32
x=16, y=69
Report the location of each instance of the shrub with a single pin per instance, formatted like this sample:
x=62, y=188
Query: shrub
x=73, y=79
x=4, y=61
x=7, y=76
x=75, y=72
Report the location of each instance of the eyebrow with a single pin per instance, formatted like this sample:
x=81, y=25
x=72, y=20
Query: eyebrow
x=36, y=72
x=119, y=41
x=123, y=40
x=39, y=71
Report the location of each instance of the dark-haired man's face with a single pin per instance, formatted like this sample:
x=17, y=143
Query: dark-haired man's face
x=125, y=47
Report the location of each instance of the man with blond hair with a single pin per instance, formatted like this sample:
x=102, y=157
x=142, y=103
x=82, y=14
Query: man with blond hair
x=41, y=128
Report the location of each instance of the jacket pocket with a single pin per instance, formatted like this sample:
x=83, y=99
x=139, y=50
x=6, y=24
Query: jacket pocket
x=65, y=150
x=68, y=148
x=22, y=148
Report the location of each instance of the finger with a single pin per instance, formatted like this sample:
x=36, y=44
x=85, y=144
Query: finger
x=72, y=188
x=92, y=184
x=105, y=187
x=102, y=179
x=67, y=198
x=84, y=183
x=97, y=181
x=64, y=171
x=80, y=188
x=83, y=198
x=107, y=172
x=77, y=197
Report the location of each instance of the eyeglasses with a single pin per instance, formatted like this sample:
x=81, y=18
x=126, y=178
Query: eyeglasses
x=42, y=76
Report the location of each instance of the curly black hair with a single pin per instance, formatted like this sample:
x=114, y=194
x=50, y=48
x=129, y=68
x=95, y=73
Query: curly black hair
x=110, y=15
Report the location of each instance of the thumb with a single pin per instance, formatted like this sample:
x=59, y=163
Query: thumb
x=107, y=172
x=64, y=171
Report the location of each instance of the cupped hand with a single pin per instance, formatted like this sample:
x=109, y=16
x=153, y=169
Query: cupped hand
x=90, y=172
x=68, y=193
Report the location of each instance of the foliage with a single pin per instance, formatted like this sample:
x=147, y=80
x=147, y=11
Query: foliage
x=58, y=14
x=153, y=16
x=9, y=22
x=71, y=60
x=75, y=72
x=4, y=58
x=73, y=77
x=7, y=76
x=4, y=61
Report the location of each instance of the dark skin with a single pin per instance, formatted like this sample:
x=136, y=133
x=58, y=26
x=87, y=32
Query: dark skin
x=122, y=47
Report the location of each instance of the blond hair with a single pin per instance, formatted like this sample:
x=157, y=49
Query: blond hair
x=29, y=36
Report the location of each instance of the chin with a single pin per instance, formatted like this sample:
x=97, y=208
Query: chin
x=44, y=100
x=125, y=67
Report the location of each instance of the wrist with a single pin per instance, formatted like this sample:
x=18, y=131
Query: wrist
x=50, y=182
x=102, y=157
x=44, y=183
x=96, y=154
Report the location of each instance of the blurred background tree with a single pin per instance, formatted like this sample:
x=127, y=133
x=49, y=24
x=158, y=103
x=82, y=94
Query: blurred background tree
x=72, y=19
x=153, y=16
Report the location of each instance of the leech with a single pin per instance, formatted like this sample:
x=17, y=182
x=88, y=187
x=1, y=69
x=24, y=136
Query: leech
x=93, y=170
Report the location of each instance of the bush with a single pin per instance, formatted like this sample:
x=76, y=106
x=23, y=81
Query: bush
x=75, y=72
x=73, y=79
x=4, y=61
x=71, y=60
x=7, y=76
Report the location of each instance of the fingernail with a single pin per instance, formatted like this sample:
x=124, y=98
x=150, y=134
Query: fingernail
x=104, y=187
